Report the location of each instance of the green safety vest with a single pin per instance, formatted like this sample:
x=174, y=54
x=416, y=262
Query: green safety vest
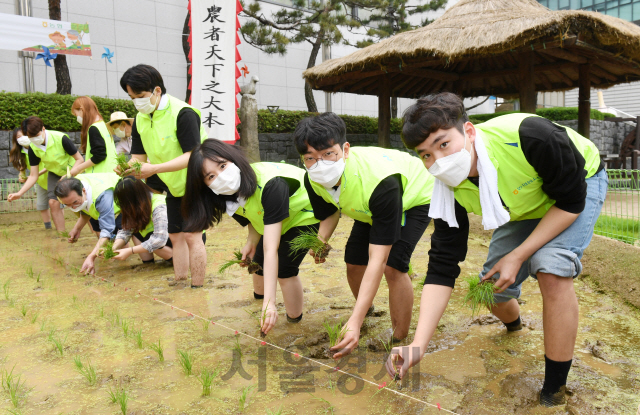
x=55, y=159
x=156, y=200
x=300, y=212
x=365, y=168
x=108, y=164
x=158, y=135
x=519, y=185
x=99, y=183
x=42, y=179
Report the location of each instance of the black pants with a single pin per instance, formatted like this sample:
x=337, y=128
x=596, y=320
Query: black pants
x=288, y=262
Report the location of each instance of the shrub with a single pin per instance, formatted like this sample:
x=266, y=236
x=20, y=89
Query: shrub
x=552, y=114
x=54, y=109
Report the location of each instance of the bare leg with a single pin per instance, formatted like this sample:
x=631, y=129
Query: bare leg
x=400, y=301
x=197, y=257
x=57, y=215
x=166, y=252
x=559, y=316
x=292, y=294
x=145, y=256
x=46, y=216
x=258, y=284
x=355, y=273
x=180, y=255
x=508, y=311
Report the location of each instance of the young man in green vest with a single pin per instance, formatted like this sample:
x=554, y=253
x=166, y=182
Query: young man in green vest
x=165, y=131
x=540, y=186
x=91, y=195
x=387, y=193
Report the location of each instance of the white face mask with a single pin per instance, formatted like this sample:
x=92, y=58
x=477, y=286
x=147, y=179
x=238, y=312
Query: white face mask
x=24, y=141
x=454, y=168
x=38, y=140
x=144, y=105
x=119, y=133
x=79, y=118
x=83, y=206
x=227, y=182
x=327, y=175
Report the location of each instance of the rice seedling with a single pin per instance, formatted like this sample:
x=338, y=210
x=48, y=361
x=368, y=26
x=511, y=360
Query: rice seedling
x=158, y=348
x=388, y=345
x=260, y=318
x=30, y=271
x=237, y=348
x=101, y=310
x=329, y=409
x=59, y=260
x=64, y=234
x=6, y=288
x=12, y=302
x=480, y=294
x=115, y=318
x=137, y=338
x=58, y=343
x=43, y=324
x=12, y=385
x=107, y=251
x=74, y=301
x=186, y=361
x=309, y=241
x=38, y=277
x=206, y=378
x=119, y=395
x=34, y=316
x=252, y=267
x=124, y=324
x=23, y=310
x=5, y=233
x=275, y=411
x=122, y=162
x=205, y=325
x=137, y=166
x=86, y=369
x=335, y=332
x=244, y=397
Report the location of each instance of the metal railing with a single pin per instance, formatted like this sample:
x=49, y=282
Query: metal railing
x=620, y=216
x=27, y=203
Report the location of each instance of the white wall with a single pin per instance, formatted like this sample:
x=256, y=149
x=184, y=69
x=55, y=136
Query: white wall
x=622, y=97
x=139, y=31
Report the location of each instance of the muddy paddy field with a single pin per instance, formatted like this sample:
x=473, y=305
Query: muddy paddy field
x=51, y=318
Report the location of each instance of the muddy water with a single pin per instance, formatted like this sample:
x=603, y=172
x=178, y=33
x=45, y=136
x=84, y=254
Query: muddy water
x=473, y=365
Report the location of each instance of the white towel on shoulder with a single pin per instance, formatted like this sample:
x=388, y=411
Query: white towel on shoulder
x=232, y=207
x=494, y=214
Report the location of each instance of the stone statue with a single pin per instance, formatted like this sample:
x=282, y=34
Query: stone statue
x=249, y=120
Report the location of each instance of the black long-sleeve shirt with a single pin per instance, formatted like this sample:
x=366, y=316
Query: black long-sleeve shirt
x=550, y=151
x=98, y=146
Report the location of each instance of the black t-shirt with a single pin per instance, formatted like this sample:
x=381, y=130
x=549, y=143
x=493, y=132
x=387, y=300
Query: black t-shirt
x=385, y=204
x=67, y=144
x=187, y=132
x=275, y=200
x=550, y=151
x=98, y=146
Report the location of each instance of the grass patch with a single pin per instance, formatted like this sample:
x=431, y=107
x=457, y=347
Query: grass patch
x=12, y=386
x=625, y=230
x=186, y=361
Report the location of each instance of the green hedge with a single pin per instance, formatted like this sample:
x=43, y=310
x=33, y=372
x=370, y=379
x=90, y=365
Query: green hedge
x=54, y=109
x=552, y=114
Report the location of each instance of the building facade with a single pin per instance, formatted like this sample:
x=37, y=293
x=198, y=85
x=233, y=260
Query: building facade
x=623, y=97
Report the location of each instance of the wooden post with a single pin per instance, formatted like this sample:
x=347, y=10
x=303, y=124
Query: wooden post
x=528, y=98
x=584, y=100
x=384, y=113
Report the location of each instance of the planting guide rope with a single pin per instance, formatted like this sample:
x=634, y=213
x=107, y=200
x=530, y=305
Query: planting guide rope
x=383, y=385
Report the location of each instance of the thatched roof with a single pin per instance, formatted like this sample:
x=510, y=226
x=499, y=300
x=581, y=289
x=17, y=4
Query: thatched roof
x=476, y=44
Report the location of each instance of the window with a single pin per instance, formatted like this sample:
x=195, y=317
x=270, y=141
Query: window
x=626, y=12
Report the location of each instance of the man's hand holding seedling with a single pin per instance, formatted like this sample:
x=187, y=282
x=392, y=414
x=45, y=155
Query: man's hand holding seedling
x=74, y=234
x=401, y=359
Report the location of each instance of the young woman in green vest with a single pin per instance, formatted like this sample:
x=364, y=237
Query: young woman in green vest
x=91, y=195
x=53, y=151
x=144, y=219
x=540, y=186
x=387, y=193
x=95, y=140
x=268, y=198
x=18, y=155
x=164, y=132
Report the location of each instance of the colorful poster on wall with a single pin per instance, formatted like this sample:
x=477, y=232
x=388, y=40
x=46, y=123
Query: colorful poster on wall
x=214, y=70
x=30, y=34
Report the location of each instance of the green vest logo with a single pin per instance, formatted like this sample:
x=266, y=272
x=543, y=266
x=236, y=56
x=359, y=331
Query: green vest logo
x=525, y=184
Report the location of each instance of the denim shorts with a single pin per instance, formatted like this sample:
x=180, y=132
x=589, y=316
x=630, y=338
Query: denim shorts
x=560, y=256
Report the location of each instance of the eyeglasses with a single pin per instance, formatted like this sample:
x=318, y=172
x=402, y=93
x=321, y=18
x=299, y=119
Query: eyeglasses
x=327, y=158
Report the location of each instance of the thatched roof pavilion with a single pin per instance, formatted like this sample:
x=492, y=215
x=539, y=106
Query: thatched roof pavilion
x=491, y=47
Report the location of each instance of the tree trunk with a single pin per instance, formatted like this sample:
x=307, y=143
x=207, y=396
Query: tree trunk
x=60, y=63
x=185, y=49
x=308, y=92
